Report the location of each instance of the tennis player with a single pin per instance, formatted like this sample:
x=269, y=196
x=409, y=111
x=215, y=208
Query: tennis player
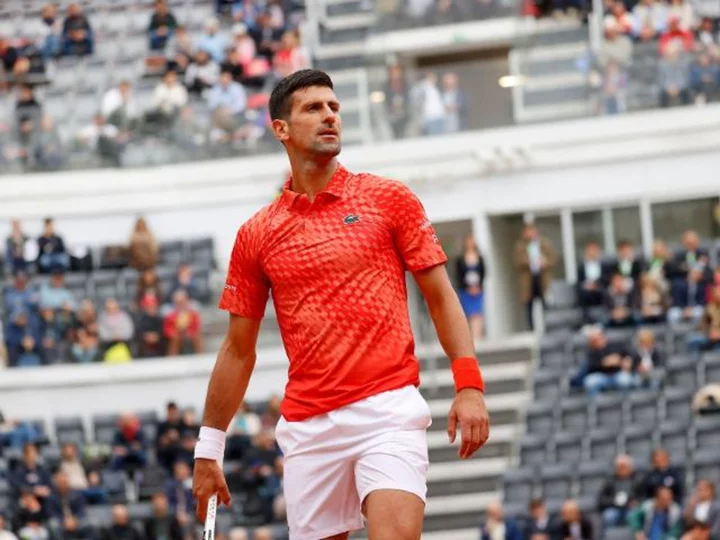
x=333, y=249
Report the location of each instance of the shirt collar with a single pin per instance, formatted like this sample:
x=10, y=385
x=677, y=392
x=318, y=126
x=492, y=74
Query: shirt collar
x=335, y=189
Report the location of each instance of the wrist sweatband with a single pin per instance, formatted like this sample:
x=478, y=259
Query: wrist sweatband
x=211, y=444
x=466, y=374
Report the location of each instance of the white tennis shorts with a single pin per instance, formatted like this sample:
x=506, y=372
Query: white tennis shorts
x=334, y=460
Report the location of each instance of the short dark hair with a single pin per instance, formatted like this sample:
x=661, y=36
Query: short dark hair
x=281, y=97
x=624, y=243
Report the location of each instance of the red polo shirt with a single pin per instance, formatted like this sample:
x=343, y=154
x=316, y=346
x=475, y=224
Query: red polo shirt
x=336, y=268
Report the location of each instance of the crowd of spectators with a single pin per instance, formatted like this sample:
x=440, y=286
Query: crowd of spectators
x=46, y=323
x=142, y=462
x=399, y=14
x=685, y=47
x=211, y=96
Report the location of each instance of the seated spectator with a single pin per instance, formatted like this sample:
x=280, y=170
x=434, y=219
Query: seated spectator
x=162, y=26
x=614, y=88
x=689, y=298
x=182, y=326
x=707, y=41
x=29, y=353
x=651, y=301
x=149, y=288
x=211, y=42
x=674, y=78
x=658, y=517
x=660, y=267
x=539, y=526
x=179, y=491
x=19, y=296
x=190, y=422
x=45, y=150
x=608, y=366
x=646, y=359
x=266, y=36
x=675, y=40
x=618, y=495
x=16, y=246
x=51, y=31
x=95, y=493
x=31, y=475
x=163, y=524
x=143, y=247
x=202, y=73
x=77, y=34
x=573, y=524
x=73, y=468
x=116, y=327
x=246, y=421
x=87, y=347
x=21, y=323
x=150, y=330
x=228, y=98
x=590, y=279
x=683, y=11
x=184, y=281
x=119, y=107
x=456, y=103
x=691, y=257
x=51, y=250
x=168, y=98
x=651, y=19
x=105, y=139
x=51, y=341
x=497, y=526
x=233, y=66
x=54, y=294
x=704, y=77
x=290, y=56
x=168, y=437
x=271, y=414
x=67, y=506
x=5, y=534
x=11, y=59
x=618, y=19
x=618, y=301
x=16, y=433
x=128, y=447
x=243, y=44
x=662, y=474
x=709, y=336
x=180, y=50
x=628, y=265
x=121, y=528
x=31, y=518
x=703, y=508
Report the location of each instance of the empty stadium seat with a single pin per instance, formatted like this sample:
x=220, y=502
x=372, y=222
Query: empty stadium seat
x=532, y=450
x=682, y=372
x=568, y=447
x=573, y=414
x=556, y=480
x=673, y=436
x=609, y=410
x=618, y=533
x=707, y=431
x=518, y=485
x=602, y=444
x=114, y=483
x=547, y=384
x=70, y=430
x=104, y=427
x=706, y=464
x=711, y=368
x=562, y=295
x=638, y=441
x=643, y=407
x=677, y=404
x=540, y=418
x=591, y=476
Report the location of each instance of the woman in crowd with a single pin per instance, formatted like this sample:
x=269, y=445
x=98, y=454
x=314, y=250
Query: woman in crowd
x=143, y=247
x=470, y=275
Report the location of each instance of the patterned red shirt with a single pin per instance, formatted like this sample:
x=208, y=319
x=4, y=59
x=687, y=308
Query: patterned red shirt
x=336, y=268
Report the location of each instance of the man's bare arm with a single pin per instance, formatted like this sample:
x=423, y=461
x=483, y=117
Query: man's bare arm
x=468, y=408
x=226, y=390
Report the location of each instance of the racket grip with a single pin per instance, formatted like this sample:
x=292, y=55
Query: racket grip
x=209, y=530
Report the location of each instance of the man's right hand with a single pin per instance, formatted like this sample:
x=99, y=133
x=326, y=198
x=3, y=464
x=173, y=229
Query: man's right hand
x=208, y=480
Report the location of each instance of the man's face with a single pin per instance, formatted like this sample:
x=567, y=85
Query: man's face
x=120, y=515
x=661, y=460
x=173, y=414
x=626, y=253
x=57, y=280
x=618, y=283
x=450, y=81
x=160, y=505
x=225, y=79
x=598, y=340
x=181, y=471
x=124, y=90
x=170, y=78
x=161, y=8
x=314, y=126
x=704, y=491
x=68, y=452
x=30, y=455
x=73, y=10
x=592, y=252
x=49, y=228
x=623, y=469
x=664, y=498
x=20, y=281
x=62, y=483
x=691, y=241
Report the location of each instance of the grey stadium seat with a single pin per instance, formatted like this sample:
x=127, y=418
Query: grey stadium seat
x=568, y=447
x=638, y=441
x=518, y=485
x=643, y=407
x=609, y=410
x=707, y=431
x=592, y=476
x=104, y=427
x=711, y=368
x=682, y=372
x=533, y=450
x=70, y=430
x=673, y=436
x=574, y=414
x=556, y=480
x=562, y=295
x=104, y=285
x=602, y=444
x=678, y=404
x=706, y=464
x=618, y=533
x=99, y=516
x=548, y=384
x=540, y=418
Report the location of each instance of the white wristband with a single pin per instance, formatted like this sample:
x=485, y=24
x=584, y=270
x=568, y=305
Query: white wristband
x=211, y=444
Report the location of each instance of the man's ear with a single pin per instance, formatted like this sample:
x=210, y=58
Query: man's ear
x=280, y=129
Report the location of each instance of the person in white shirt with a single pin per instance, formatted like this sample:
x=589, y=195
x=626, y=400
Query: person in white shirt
x=119, y=105
x=429, y=102
x=4, y=533
x=169, y=96
x=703, y=508
x=203, y=73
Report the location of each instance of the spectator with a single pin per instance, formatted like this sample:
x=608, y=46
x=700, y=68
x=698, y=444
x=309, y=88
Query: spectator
x=150, y=330
x=27, y=115
x=683, y=11
x=660, y=266
x=651, y=19
x=86, y=348
x=539, y=526
x=203, y=73
x=707, y=40
x=16, y=433
x=67, y=506
x=590, y=279
x=121, y=528
x=227, y=97
x=703, y=508
x=77, y=35
x=73, y=468
x=51, y=250
x=573, y=524
x=657, y=518
x=31, y=518
x=271, y=415
x=54, y=294
x=168, y=98
x=397, y=99
x=470, y=277
x=243, y=44
x=628, y=265
x=676, y=39
x=168, y=437
x=173, y=420
x=496, y=526
x=212, y=43
x=149, y=288
x=31, y=475
x=16, y=247
x=618, y=19
x=709, y=337
x=534, y=259
x=190, y=423
x=180, y=50
x=11, y=61
x=615, y=82
x=456, y=103
x=45, y=150
x=245, y=422
x=651, y=301
x=29, y=354
x=162, y=26
x=617, y=496
x=182, y=326
x=698, y=531
x=428, y=101
x=704, y=77
x=119, y=107
x=267, y=38
x=674, y=77
x=233, y=66
x=185, y=281
x=179, y=490
x=662, y=475
x=618, y=301
x=103, y=138
x=51, y=31
x=692, y=256
x=608, y=365
x=19, y=296
x=162, y=524
x=143, y=247
x=95, y=492
x=116, y=328
x=646, y=359
x=128, y=448
x=290, y=56
x=688, y=304
x=51, y=340
x=21, y=323
x=4, y=533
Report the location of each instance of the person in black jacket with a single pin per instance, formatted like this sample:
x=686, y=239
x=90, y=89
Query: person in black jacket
x=162, y=525
x=573, y=525
x=539, y=526
x=121, y=528
x=662, y=474
x=162, y=26
x=590, y=279
x=619, y=300
x=618, y=494
x=646, y=359
x=691, y=257
x=470, y=268
x=52, y=254
x=67, y=507
x=688, y=297
x=608, y=366
x=627, y=265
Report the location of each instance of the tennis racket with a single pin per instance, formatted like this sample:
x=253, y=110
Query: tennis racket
x=209, y=531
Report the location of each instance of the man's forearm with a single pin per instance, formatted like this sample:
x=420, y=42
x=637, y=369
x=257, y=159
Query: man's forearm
x=228, y=384
x=451, y=326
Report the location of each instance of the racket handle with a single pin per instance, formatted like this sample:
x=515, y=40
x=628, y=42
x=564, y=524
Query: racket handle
x=209, y=531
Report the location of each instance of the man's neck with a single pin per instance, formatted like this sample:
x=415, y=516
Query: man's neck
x=311, y=177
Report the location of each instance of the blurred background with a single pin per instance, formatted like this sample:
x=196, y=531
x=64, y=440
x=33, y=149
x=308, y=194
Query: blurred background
x=566, y=151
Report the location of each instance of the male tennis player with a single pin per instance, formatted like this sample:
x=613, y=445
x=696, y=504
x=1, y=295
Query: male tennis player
x=334, y=248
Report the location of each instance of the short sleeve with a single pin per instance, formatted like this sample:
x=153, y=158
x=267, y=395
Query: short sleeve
x=413, y=232
x=246, y=286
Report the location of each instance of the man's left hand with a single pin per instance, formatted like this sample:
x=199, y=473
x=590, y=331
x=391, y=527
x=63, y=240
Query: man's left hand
x=469, y=410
